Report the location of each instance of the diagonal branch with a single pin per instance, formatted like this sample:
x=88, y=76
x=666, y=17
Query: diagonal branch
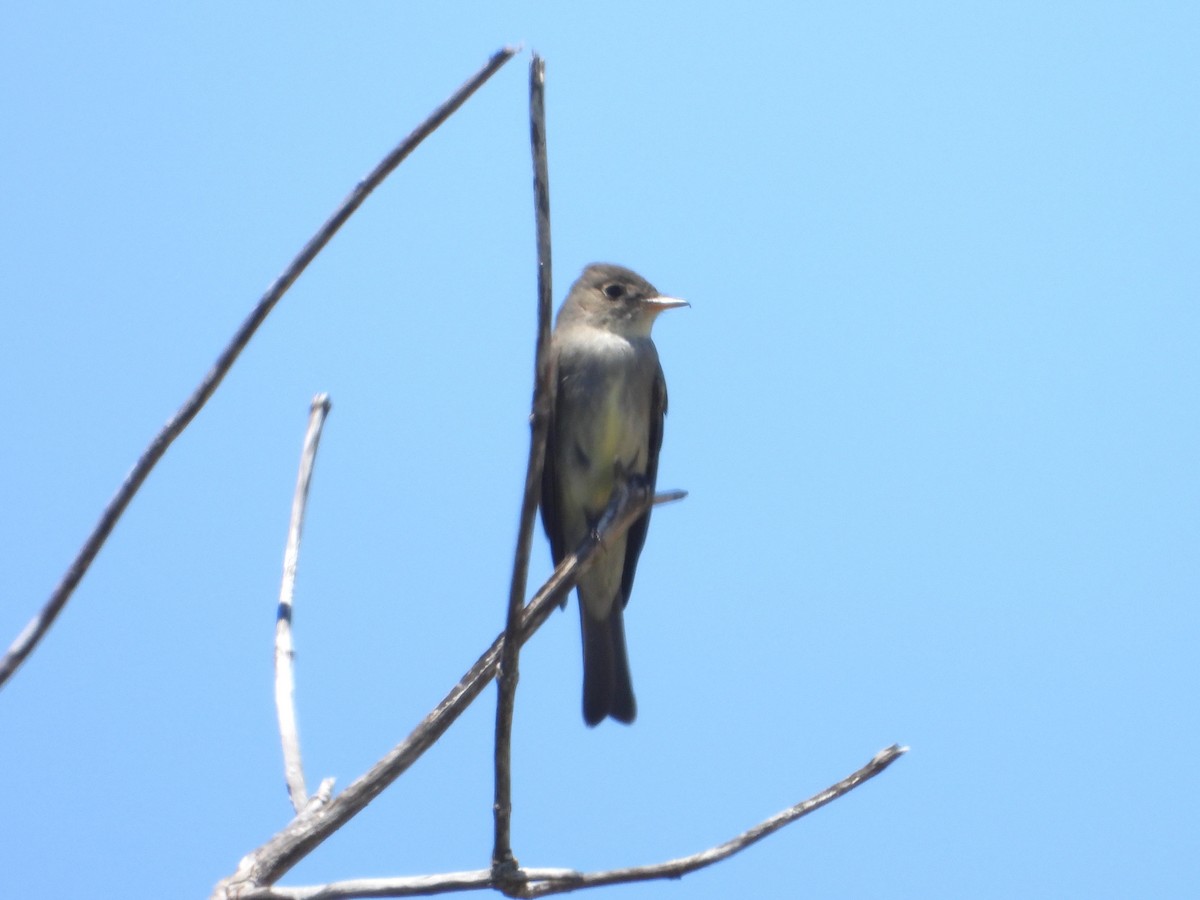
x=304, y=833
x=543, y=404
x=285, y=683
x=542, y=882
x=37, y=627
x=677, y=868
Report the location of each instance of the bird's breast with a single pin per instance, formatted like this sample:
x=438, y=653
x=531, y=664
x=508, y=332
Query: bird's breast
x=604, y=426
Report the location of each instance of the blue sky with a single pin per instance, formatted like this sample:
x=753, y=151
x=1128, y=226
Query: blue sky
x=935, y=403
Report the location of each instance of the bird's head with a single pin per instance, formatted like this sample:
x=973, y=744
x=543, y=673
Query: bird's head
x=617, y=299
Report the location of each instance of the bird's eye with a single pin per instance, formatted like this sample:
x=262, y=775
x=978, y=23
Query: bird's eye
x=614, y=291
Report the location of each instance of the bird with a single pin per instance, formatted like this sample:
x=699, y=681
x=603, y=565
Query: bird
x=605, y=430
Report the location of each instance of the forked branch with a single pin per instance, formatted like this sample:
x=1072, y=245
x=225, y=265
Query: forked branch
x=306, y=832
x=543, y=882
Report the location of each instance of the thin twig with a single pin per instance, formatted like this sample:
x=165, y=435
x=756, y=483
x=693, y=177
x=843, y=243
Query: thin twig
x=677, y=868
x=542, y=882
x=285, y=682
x=543, y=403
x=303, y=834
x=37, y=627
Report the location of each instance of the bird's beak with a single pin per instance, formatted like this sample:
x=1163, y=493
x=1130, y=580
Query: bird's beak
x=662, y=304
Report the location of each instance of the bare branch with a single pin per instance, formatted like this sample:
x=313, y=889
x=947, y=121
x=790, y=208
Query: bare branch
x=37, y=627
x=285, y=683
x=543, y=404
x=677, y=868
x=303, y=834
x=542, y=882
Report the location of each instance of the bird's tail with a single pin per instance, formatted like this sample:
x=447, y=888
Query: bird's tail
x=607, y=688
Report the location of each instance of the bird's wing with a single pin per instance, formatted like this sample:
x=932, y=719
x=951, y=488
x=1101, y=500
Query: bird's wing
x=636, y=535
x=550, y=500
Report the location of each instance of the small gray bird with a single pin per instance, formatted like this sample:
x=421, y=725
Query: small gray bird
x=606, y=430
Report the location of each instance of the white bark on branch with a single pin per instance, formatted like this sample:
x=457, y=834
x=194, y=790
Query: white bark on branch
x=285, y=681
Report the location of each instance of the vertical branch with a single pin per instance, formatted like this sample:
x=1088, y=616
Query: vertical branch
x=285, y=683
x=503, y=862
x=33, y=632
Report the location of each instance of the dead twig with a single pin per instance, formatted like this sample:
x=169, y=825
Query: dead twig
x=285, y=682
